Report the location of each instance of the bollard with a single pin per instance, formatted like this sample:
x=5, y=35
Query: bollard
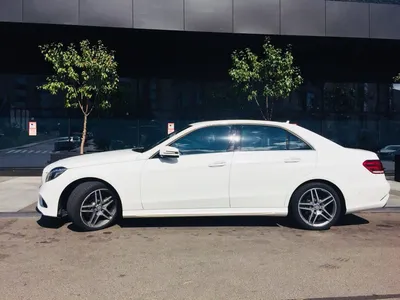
x=397, y=168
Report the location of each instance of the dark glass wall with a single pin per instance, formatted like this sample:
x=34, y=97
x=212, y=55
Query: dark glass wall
x=182, y=78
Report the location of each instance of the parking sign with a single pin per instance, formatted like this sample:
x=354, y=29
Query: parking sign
x=32, y=128
x=171, y=128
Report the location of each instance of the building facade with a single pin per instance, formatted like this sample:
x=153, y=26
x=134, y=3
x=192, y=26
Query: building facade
x=174, y=57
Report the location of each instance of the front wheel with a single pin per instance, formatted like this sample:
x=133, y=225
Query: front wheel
x=315, y=206
x=93, y=206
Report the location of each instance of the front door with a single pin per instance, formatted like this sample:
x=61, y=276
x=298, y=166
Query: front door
x=197, y=179
x=268, y=162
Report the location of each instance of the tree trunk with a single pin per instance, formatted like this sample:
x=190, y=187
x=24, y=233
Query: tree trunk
x=83, y=133
x=269, y=106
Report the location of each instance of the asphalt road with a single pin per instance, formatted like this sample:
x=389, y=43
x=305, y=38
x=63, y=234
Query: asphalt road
x=29, y=157
x=201, y=258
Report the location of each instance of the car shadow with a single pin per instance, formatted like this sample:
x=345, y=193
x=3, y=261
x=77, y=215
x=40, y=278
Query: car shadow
x=197, y=222
x=236, y=221
x=351, y=219
x=52, y=223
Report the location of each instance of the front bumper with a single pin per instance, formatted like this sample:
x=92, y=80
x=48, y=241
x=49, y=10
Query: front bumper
x=49, y=196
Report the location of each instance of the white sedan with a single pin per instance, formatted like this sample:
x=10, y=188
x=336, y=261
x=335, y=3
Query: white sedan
x=218, y=168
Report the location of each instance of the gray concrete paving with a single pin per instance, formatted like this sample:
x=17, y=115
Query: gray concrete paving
x=238, y=258
x=16, y=193
x=3, y=179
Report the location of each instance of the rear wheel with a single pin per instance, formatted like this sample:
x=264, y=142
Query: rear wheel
x=315, y=206
x=93, y=206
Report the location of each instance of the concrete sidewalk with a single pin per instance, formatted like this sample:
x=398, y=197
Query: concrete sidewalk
x=20, y=194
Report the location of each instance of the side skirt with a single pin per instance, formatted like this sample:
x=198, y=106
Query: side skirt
x=277, y=212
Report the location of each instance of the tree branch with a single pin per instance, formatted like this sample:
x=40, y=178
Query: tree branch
x=80, y=105
x=91, y=109
x=259, y=107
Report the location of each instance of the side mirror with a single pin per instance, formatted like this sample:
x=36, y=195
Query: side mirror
x=168, y=151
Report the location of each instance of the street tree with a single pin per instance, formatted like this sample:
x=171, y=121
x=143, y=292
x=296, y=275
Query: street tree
x=86, y=75
x=270, y=76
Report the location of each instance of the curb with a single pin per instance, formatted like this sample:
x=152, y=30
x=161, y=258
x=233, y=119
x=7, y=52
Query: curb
x=26, y=214
x=393, y=209
x=20, y=172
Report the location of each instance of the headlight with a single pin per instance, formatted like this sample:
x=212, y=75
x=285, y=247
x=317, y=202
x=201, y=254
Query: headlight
x=55, y=173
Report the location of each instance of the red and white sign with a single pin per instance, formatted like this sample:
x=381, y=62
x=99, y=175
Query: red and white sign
x=171, y=128
x=32, y=128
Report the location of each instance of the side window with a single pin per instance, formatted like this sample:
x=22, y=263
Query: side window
x=269, y=138
x=295, y=143
x=211, y=139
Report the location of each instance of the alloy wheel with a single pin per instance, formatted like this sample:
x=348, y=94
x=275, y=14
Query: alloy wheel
x=317, y=207
x=98, y=208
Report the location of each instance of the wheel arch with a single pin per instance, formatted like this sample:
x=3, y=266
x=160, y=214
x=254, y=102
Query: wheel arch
x=327, y=182
x=62, y=202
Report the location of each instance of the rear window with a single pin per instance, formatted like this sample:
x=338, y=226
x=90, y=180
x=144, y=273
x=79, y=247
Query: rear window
x=269, y=138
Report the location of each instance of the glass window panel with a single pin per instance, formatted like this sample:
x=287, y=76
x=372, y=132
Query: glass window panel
x=206, y=140
x=269, y=138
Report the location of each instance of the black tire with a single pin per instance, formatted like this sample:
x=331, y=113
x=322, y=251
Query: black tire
x=78, y=196
x=303, y=220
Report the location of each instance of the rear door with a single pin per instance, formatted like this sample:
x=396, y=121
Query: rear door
x=266, y=164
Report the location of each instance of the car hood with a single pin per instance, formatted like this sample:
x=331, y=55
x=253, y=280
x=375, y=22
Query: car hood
x=108, y=157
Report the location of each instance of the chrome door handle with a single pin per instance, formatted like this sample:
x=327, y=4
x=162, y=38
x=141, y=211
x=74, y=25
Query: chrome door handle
x=217, y=164
x=292, y=160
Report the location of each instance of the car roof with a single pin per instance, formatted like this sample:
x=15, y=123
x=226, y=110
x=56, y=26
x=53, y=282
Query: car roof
x=237, y=122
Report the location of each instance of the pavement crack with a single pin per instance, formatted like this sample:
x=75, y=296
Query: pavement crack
x=365, y=297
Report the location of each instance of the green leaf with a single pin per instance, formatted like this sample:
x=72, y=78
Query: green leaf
x=273, y=74
x=86, y=74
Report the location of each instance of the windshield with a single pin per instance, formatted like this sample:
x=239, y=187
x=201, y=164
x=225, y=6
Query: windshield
x=147, y=147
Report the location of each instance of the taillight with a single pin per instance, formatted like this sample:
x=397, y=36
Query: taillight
x=374, y=166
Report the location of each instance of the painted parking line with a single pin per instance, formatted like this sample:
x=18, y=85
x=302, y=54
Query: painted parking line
x=31, y=152
x=14, y=151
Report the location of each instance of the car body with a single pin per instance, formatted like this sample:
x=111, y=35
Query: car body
x=219, y=168
x=388, y=152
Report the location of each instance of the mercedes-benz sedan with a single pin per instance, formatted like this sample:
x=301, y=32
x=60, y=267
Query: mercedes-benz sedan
x=218, y=168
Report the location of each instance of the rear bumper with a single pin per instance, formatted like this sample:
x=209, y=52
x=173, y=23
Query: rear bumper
x=370, y=205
